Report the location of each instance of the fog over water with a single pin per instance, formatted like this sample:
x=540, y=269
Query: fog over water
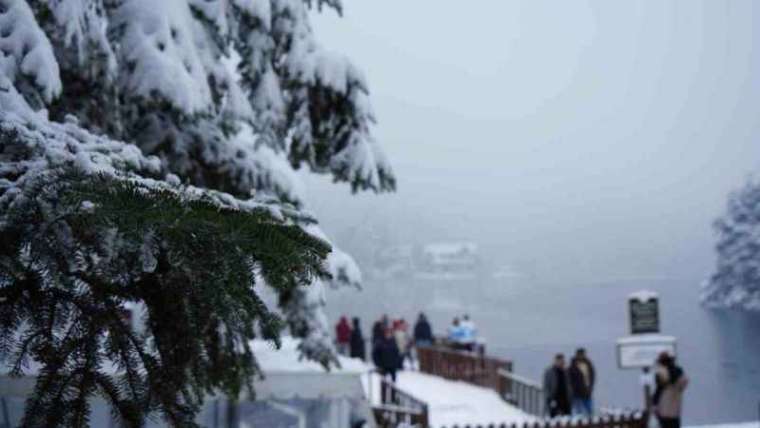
x=586, y=145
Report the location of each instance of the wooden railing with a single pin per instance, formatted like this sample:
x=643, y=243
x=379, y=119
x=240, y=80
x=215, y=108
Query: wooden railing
x=632, y=420
x=399, y=408
x=523, y=393
x=474, y=368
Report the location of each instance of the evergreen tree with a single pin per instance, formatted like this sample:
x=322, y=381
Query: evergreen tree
x=147, y=158
x=736, y=280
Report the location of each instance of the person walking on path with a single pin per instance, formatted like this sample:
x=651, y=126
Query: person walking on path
x=378, y=329
x=557, y=388
x=357, y=341
x=582, y=378
x=423, y=333
x=671, y=382
x=386, y=355
x=343, y=336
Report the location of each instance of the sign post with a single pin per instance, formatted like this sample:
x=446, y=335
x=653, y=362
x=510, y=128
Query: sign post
x=645, y=343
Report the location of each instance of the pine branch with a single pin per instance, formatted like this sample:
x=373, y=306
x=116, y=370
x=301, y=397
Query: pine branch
x=195, y=280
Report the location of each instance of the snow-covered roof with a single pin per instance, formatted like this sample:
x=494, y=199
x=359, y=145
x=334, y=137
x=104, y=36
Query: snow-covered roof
x=643, y=295
x=288, y=359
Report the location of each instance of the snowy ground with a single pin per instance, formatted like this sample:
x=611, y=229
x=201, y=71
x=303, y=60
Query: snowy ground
x=449, y=403
x=737, y=425
x=454, y=403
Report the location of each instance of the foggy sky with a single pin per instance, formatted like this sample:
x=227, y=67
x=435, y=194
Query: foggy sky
x=585, y=139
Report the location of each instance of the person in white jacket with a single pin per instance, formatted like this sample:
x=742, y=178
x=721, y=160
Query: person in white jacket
x=469, y=333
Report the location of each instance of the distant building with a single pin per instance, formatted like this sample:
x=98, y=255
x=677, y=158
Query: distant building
x=450, y=258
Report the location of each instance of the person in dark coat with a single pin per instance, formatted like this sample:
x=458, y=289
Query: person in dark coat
x=582, y=378
x=378, y=329
x=357, y=341
x=386, y=355
x=423, y=333
x=557, y=388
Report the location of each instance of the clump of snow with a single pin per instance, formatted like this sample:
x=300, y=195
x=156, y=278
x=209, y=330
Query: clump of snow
x=161, y=42
x=341, y=266
x=288, y=359
x=25, y=51
x=260, y=166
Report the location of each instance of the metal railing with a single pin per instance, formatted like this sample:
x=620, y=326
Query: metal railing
x=523, y=393
x=397, y=407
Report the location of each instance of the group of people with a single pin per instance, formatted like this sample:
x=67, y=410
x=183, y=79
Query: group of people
x=463, y=334
x=349, y=339
x=392, y=344
x=570, y=390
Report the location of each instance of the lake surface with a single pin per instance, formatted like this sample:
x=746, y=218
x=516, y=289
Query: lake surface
x=528, y=321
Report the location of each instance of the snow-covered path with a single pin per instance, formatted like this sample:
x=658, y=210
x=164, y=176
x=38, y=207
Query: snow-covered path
x=455, y=403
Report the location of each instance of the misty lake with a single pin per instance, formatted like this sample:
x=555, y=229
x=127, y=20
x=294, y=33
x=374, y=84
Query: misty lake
x=529, y=320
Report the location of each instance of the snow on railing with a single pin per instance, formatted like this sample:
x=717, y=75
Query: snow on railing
x=398, y=408
x=634, y=419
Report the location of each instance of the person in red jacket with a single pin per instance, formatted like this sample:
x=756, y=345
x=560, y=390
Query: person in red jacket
x=343, y=336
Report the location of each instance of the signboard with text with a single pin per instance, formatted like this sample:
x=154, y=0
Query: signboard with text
x=644, y=313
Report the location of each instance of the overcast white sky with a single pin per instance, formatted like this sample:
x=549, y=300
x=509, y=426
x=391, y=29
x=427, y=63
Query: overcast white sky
x=585, y=138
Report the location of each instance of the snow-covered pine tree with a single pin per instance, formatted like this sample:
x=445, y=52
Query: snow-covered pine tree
x=147, y=157
x=736, y=280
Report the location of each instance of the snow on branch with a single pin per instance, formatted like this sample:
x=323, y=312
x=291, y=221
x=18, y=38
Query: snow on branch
x=26, y=55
